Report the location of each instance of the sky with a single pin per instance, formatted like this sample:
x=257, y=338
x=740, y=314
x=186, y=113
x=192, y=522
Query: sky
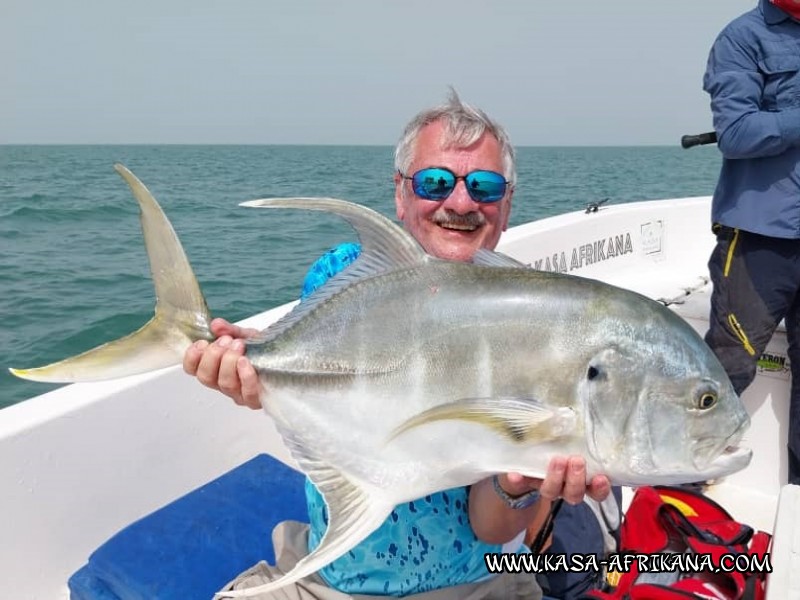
x=559, y=72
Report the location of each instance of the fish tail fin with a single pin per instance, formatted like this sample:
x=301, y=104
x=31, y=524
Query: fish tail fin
x=181, y=312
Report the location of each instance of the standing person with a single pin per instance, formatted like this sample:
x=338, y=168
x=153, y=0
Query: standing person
x=753, y=79
x=454, y=181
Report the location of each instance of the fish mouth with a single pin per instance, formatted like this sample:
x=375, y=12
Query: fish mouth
x=714, y=450
x=733, y=452
x=733, y=458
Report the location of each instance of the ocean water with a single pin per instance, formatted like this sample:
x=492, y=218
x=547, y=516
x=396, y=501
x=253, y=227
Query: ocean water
x=74, y=274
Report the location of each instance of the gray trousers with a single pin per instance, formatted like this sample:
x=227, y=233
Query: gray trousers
x=756, y=284
x=290, y=540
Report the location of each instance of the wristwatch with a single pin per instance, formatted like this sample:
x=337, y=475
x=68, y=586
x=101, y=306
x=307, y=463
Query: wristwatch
x=516, y=502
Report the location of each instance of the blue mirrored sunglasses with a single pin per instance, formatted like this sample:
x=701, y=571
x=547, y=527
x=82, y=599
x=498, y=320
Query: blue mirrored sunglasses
x=437, y=183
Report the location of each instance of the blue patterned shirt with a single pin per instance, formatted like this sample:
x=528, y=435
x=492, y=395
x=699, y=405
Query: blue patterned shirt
x=425, y=544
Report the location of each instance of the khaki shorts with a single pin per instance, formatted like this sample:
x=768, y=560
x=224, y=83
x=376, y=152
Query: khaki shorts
x=290, y=540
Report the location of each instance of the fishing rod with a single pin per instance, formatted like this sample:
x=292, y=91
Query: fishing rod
x=688, y=141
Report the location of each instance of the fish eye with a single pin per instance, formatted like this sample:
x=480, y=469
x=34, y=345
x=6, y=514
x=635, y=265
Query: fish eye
x=705, y=401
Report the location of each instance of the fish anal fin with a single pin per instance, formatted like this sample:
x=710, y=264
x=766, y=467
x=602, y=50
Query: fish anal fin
x=517, y=419
x=352, y=516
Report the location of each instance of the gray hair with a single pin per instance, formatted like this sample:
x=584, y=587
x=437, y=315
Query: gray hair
x=464, y=125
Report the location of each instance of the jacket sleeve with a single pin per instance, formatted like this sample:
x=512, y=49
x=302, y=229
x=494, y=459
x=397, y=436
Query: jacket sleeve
x=736, y=86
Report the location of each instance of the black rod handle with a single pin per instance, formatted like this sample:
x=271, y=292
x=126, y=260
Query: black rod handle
x=700, y=139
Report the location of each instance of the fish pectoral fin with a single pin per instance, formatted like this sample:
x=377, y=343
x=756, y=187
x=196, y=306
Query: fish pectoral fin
x=517, y=419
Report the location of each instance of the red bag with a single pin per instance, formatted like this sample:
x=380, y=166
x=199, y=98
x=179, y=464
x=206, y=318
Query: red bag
x=685, y=528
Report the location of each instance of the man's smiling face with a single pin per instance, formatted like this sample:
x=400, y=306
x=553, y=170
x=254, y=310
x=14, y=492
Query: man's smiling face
x=456, y=227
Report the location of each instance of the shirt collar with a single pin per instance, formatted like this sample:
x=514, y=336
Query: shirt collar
x=772, y=14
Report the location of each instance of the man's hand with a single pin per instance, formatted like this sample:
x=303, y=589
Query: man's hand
x=221, y=365
x=495, y=523
x=565, y=478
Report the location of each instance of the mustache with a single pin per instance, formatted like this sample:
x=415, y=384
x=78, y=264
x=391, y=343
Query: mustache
x=448, y=217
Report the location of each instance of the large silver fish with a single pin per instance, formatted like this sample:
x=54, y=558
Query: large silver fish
x=406, y=374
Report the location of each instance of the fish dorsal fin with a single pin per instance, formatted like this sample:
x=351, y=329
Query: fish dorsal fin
x=384, y=246
x=387, y=242
x=488, y=258
x=352, y=516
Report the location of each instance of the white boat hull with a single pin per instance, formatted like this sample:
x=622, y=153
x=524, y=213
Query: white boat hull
x=82, y=462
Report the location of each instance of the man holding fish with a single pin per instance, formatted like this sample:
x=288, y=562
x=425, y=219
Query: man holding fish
x=453, y=192
x=408, y=374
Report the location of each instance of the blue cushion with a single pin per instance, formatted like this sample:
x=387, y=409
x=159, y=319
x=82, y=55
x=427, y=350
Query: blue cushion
x=196, y=544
